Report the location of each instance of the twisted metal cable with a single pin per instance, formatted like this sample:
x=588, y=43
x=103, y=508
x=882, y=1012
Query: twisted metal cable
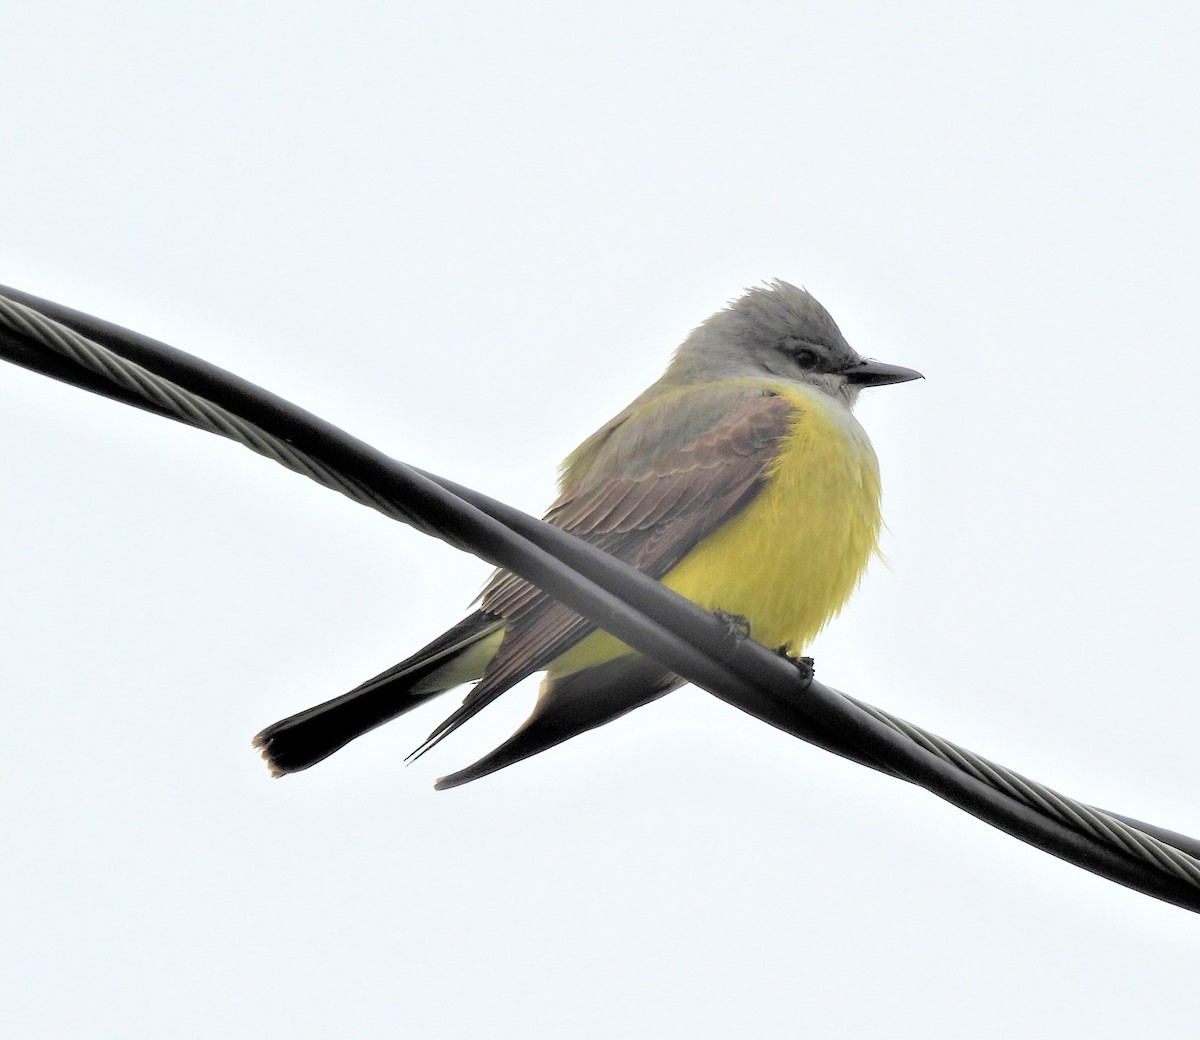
x=197, y=411
x=187, y=407
x=1084, y=818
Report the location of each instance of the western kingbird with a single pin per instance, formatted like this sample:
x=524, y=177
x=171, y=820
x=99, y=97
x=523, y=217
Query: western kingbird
x=740, y=478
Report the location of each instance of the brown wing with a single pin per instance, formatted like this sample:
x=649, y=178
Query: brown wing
x=660, y=478
x=647, y=498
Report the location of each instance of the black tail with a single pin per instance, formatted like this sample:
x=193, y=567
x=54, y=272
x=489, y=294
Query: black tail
x=571, y=704
x=304, y=739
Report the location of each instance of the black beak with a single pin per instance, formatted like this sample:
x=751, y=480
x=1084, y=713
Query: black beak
x=876, y=373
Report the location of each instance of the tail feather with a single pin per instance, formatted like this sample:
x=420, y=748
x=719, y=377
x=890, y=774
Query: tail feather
x=456, y=657
x=571, y=704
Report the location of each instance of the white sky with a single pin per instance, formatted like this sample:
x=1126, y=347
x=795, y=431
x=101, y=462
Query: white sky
x=469, y=236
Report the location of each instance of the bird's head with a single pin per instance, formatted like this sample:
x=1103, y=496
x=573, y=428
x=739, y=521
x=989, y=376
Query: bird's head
x=780, y=331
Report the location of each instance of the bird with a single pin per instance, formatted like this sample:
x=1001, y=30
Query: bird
x=740, y=478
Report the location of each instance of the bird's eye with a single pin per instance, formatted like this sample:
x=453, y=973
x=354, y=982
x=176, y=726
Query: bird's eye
x=806, y=357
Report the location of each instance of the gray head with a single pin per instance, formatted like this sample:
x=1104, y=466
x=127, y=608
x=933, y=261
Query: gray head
x=779, y=331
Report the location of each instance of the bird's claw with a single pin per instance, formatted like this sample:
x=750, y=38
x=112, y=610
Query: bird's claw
x=804, y=665
x=737, y=627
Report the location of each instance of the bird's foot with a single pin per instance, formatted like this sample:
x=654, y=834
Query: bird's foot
x=736, y=626
x=736, y=632
x=804, y=665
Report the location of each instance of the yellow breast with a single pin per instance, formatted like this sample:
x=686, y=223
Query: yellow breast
x=789, y=561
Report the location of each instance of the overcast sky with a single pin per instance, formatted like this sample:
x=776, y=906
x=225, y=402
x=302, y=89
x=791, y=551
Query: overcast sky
x=469, y=235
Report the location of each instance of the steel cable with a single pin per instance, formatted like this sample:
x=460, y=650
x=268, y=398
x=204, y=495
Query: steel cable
x=133, y=383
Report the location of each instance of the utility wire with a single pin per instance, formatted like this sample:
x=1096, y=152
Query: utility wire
x=95, y=355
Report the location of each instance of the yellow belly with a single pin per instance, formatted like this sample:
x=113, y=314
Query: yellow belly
x=789, y=561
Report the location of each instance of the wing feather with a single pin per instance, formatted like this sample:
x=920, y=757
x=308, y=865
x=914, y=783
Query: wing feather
x=656, y=481
x=649, y=509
